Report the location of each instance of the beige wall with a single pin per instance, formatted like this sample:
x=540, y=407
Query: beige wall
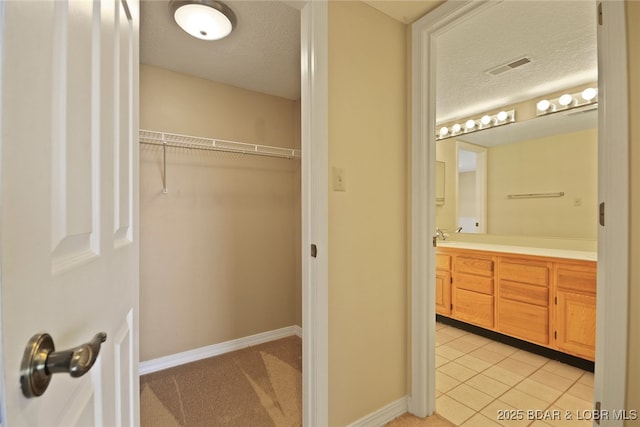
x=633, y=49
x=569, y=164
x=219, y=251
x=566, y=163
x=368, y=222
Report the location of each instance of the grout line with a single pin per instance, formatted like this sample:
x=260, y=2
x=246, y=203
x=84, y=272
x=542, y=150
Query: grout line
x=537, y=369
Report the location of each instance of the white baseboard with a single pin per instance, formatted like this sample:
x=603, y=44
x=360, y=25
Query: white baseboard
x=177, y=359
x=383, y=415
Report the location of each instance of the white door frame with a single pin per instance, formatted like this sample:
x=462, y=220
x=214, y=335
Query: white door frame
x=315, y=213
x=613, y=183
x=480, y=186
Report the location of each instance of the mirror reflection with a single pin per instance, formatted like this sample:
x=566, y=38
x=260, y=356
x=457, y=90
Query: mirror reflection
x=537, y=176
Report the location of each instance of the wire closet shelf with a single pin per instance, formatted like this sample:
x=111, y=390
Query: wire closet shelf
x=198, y=143
x=164, y=140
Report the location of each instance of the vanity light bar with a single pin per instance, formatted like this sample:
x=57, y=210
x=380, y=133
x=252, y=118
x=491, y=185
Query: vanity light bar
x=473, y=125
x=567, y=101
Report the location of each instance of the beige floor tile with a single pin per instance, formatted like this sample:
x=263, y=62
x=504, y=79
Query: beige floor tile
x=541, y=391
x=475, y=399
x=572, y=403
x=552, y=380
x=456, y=332
x=477, y=339
x=587, y=379
x=521, y=400
x=448, y=352
x=488, y=385
x=444, y=382
x=479, y=420
x=540, y=424
x=564, y=370
x=505, y=414
x=567, y=419
x=453, y=410
x=473, y=362
x=463, y=345
x=504, y=376
x=440, y=360
x=517, y=367
x=442, y=337
x=457, y=371
x=530, y=358
x=441, y=326
x=488, y=355
x=498, y=347
x=581, y=391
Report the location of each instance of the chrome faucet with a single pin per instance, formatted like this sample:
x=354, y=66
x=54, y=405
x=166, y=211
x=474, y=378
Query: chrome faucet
x=440, y=234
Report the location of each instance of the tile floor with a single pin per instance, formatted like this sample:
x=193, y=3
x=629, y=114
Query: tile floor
x=484, y=383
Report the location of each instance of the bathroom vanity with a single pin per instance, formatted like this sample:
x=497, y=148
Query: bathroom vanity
x=543, y=296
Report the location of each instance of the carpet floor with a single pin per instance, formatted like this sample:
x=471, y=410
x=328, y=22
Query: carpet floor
x=255, y=386
x=259, y=386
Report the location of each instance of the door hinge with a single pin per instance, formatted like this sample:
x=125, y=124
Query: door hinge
x=602, y=214
x=314, y=251
x=600, y=13
x=596, y=415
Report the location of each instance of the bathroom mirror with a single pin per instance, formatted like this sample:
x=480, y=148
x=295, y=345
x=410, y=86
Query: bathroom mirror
x=539, y=174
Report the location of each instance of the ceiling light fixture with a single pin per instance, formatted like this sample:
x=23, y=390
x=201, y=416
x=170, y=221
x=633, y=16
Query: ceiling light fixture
x=203, y=19
x=567, y=101
x=485, y=121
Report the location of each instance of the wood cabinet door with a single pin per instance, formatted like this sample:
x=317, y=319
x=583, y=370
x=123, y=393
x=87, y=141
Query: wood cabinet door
x=443, y=292
x=576, y=324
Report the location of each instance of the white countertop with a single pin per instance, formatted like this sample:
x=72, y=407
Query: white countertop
x=521, y=250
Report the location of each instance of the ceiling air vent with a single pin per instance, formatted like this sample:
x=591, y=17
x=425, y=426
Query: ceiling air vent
x=510, y=66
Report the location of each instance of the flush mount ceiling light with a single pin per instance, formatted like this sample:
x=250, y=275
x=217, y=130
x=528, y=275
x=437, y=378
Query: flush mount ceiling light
x=204, y=19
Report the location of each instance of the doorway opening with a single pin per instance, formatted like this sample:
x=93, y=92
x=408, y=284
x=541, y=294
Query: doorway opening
x=426, y=31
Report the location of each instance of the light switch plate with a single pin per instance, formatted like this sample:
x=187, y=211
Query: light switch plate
x=338, y=178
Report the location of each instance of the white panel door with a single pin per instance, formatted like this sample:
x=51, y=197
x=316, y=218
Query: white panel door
x=69, y=175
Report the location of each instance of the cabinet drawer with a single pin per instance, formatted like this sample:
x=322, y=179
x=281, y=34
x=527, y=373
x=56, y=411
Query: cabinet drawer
x=443, y=262
x=474, y=283
x=473, y=307
x=538, y=295
x=526, y=271
x=577, y=277
x=474, y=265
x=526, y=321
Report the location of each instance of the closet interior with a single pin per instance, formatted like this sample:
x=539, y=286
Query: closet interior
x=220, y=213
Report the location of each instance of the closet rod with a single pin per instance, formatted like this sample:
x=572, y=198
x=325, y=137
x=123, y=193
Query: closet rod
x=164, y=139
x=535, y=195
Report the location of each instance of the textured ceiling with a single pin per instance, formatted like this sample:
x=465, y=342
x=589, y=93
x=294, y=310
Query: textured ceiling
x=261, y=54
x=559, y=37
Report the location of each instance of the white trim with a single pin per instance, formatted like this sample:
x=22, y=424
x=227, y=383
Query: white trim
x=315, y=213
x=383, y=415
x=194, y=355
x=422, y=399
x=613, y=190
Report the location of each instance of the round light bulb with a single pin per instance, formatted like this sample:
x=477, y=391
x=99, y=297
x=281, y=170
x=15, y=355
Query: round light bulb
x=456, y=128
x=565, y=100
x=444, y=131
x=470, y=124
x=502, y=116
x=485, y=120
x=589, y=94
x=543, y=105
